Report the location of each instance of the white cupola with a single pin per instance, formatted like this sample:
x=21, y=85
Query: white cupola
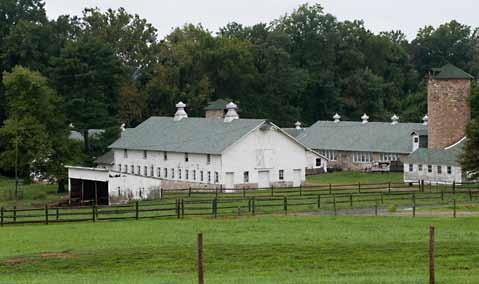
x=394, y=119
x=337, y=118
x=425, y=120
x=365, y=118
x=231, y=113
x=180, y=111
x=297, y=125
x=123, y=127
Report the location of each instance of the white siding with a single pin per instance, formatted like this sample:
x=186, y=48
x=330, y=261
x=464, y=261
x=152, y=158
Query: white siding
x=416, y=175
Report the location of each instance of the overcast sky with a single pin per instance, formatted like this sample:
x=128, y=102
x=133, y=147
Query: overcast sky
x=379, y=15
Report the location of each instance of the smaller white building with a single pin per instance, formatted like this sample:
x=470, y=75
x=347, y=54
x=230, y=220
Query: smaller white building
x=435, y=165
x=179, y=152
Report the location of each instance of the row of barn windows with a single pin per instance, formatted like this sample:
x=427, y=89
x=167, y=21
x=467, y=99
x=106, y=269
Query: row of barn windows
x=430, y=169
x=169, y=173
x=361, y=157
x=165, y=156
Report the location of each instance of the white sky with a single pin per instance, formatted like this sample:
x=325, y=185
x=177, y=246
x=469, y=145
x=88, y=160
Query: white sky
x=379, y=15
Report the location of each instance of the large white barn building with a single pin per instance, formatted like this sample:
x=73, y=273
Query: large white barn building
x=180, y=152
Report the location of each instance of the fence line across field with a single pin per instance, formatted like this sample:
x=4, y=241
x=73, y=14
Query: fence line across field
x=326, y=203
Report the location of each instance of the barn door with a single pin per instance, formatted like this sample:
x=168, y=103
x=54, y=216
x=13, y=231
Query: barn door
x=296, y=177
x=229, y=181
x=263, y=179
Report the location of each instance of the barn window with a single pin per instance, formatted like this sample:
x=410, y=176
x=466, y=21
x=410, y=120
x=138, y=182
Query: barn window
x=208, y=159
x=449, y=170
x=119, y=168
x=158, y=172
x=152, y=171
x=439, y=169
x=179, y=173
x=194, y=174
x=246, y=177
x=331, y=155
x=165, y=173
x=429, y=168
x=217, y=178
x=201, y=176
x=132, y=169
x=138, y=170
x=318, y=162
x=388, y=157
x=281, y=174
x=362, y=157
x=145, y=171
x=145, y=154
x=172, y=173
x=125, y=153
x=420, y=167
x=411, y=167
x=186, y=157
x=416, y=139
x=126, y=168
x=209, y=176
x=165, y=156
x=187, y=174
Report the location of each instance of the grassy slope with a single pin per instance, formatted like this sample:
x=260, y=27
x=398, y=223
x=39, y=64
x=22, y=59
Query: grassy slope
x=246, y=250
x=33, y=194
x=355, y=177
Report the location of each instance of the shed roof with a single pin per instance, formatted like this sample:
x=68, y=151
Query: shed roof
x=448, y=156
x=356, y=136
x=219, y=104
x=450, y=71
x=189, y=135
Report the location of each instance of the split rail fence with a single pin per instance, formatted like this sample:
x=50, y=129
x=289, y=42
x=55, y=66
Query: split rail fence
x=351, y=199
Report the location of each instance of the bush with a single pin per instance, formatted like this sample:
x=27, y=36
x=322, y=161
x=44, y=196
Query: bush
x=392, y=208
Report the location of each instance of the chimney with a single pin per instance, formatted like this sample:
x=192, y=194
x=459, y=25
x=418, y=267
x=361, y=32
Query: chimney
x=231, y=113
x=364, y=118
x=215, y=109
x=394, y=119
x=425, y=120
x=180, y=112
x=298, y=125
x=337, y=118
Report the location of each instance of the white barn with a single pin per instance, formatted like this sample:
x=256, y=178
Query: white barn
x=181, y=152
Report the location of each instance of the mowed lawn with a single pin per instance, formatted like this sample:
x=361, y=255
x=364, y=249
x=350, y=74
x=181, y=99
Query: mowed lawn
x=271, y=249
x=355, y=177
x=34, y=195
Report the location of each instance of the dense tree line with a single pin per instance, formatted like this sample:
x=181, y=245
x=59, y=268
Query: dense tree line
x=106, y=68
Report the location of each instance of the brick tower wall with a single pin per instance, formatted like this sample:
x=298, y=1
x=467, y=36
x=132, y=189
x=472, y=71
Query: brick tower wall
x=215, y=113
x=448, y=110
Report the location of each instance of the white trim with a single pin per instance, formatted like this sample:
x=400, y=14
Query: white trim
x=455, y=144
x=87, y=168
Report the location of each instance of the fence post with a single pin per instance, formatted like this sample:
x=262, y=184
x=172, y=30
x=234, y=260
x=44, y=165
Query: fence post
x=93, y=215
x=454, y=207
x=329, y=188
x=454, y=188
x=376, y=208
x=382, y=197
x=389, y=187
x=1, y=216
x=189, y=191
x=14, y=214
x=272, y=193
x=137, y=211
x=178, y=208
x=161, y=193
x=249, y=205
x=432, y=277
x=442, y=194
x=285, y=205
x=57, y=214
x=182, y=208
x=470, y=194
x=414, y=205
x=244, y=193
x=351, y=200
x=201, y=279
x=300, y=190
x=254, y=206
x=46, y=214
x=216, y=191
x=334, y=204
x=215, y=207
x=319, y=201
x=359, y=187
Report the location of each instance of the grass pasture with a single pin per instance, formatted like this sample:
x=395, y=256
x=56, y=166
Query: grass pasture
x=270, y=249
x=33, y=195
x=348, y=177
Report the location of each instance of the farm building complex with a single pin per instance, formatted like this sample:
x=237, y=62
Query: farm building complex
x=179, y=152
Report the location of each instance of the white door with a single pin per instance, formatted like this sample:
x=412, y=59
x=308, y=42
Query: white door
x=229, y=181
x=263, y=179
x=296, y=177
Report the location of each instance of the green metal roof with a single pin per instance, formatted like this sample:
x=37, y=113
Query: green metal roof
x=426, y=156
x=450, y=71
x=189, y=135
x=219, y=104
x=356, y=136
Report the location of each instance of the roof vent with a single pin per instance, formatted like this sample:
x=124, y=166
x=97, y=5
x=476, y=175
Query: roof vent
x=365, y=118
x=180, y=112
x=394, y=119
x=231, y=114
x=123, y=127
x=297, y=125
x=337, y=118
x=425, y=120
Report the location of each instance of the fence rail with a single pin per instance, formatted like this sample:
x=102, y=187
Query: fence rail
x=369, y=199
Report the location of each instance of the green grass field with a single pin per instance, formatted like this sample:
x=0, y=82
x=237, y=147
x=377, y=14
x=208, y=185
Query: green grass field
x=34, y=195
x=355, y=177
x=246, y=250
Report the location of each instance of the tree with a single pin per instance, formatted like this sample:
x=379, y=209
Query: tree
x=470, y=157
x=35, y=134
x=88, y=76
x=132, y=105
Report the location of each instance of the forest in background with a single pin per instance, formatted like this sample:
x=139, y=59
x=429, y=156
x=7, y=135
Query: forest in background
x=106, y=68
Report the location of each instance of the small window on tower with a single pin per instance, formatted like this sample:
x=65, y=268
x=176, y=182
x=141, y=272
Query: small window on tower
x=208, y=159
x=281, y=174
x=411, y=167
x=449, y=170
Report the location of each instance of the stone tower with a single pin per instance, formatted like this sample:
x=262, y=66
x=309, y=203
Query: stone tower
x=216, y=109
x=447, y=106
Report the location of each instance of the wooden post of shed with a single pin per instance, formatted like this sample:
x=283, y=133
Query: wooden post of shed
x=432, y=277
x=201, y=279
x=96, y=194
x=82, y=192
